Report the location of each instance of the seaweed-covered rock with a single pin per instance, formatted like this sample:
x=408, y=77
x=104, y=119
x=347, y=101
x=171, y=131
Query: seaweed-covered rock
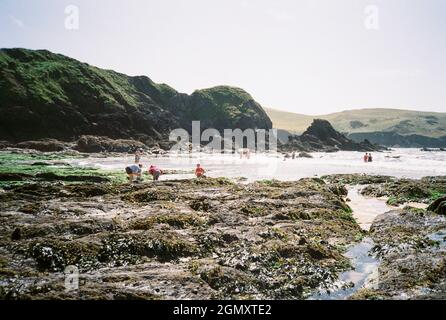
x=411, y=245
x=44, y=145
x=7, y=176
x=95, y=144
x=206, y=238
x=438, y=206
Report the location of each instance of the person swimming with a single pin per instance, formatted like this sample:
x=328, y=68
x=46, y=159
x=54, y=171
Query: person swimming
x=199, y=171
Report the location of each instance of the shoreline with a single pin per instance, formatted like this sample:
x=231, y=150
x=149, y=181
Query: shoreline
x=208, y=238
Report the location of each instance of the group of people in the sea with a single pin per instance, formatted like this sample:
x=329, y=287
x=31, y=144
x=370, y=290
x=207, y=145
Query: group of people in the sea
x=135, y=171
x=368, y=157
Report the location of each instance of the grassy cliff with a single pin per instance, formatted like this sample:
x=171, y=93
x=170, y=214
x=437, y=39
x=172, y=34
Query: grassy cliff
x=47, y=95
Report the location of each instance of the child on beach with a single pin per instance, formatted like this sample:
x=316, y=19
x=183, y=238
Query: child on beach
x=155, y=172
x=199, y=171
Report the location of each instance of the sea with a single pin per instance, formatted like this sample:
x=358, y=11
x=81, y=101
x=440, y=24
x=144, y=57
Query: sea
x=401, y=163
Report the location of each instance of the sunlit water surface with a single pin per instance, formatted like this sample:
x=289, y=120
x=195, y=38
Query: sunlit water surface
x=410, y=163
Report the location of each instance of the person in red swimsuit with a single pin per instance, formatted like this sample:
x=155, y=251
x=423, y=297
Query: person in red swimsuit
x=366, y=157
x=199, y=171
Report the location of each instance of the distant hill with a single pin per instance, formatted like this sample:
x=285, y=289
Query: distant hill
x=402, y=122
x=48, y=95
x=321, y=136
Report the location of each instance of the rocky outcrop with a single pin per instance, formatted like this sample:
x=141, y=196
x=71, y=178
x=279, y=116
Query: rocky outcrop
x=94, y=144
x=321, y=136
x=188, y=239
x=411, y=246
x=44, y=145
x=394, y=139
x=438, y=206
x=45, y=95
x=400, y=191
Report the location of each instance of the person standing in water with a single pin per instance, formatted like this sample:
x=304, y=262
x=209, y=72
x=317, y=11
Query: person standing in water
x=366, y=157
x=155, y=172
x=199, y=171
x=370, y=159
x=138, y=155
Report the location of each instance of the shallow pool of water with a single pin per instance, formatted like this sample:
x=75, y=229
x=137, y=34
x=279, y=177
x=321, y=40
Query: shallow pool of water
x=365, y=265
x=365, y=209
x=365, y=269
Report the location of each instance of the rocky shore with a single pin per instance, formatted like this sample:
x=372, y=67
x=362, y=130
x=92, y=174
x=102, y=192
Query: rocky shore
x=207, y=238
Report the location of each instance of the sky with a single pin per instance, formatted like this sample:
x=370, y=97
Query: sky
x=304, y=56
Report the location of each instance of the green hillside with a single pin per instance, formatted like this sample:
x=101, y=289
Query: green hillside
x=404, y=122
x=48, y=95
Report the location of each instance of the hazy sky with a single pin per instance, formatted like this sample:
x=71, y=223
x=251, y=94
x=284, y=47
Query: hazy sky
x=307, y=56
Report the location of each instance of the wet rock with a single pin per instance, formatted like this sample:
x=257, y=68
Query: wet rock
x=357, y=179
x=338, y=189
x=96, y=144
x=41, y=164
x=438, y=206
x=129, y=248
x=16, y=234
x=6, y=176
x=86, y=190
x=51, y=176
x=228, y=280
x=304, y=155
x=53, y=255
x=45, y=145
x=31, y=208
x=178, y=220
x=407, y=190
x=412, y=250
x=202, y=204
x=210, y=238
x=150, y=195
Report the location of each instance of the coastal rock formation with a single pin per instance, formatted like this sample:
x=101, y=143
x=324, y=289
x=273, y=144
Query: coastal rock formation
x=94, y=144
x=184, y=239
x=411, y=245
x=49, y=99
x=321, y=136
x=400, y=191
x=386, y=127
x=394, y=139
x=438, y=206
